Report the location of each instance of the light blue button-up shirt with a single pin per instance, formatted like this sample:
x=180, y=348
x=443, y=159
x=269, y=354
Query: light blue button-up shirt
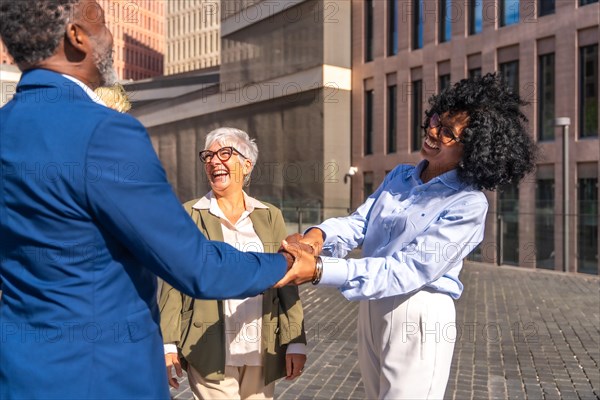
x=414, y=235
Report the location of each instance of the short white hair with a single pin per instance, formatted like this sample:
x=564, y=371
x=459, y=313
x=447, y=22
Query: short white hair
x=237, y=138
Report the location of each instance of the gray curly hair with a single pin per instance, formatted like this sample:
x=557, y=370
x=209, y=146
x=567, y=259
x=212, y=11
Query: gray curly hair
x=237, y=138
x=32, y=30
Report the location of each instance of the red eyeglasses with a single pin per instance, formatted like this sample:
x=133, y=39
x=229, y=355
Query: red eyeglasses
x=224, y=154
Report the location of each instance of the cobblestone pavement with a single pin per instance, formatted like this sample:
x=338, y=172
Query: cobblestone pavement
x=522, y=334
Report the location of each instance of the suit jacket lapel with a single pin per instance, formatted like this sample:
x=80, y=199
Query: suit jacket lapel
x=262, y=225
x=211, y=226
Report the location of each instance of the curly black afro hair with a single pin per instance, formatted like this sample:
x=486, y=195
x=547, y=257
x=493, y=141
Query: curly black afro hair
x=32, y=30
x=498, y=150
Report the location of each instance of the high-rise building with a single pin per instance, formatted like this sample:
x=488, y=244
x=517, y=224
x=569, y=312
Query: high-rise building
x=403, y=51
x=285, y=79
x=193, y=40
x=138, y=29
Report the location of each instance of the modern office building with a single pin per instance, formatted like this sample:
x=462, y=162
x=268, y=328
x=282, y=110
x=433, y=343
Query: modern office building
x=138, y=29
x=285, y=79
x=403, y=51
x=193, y=40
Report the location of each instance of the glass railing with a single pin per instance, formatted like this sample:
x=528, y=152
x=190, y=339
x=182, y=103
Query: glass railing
x=299, y=218
x=533, y=240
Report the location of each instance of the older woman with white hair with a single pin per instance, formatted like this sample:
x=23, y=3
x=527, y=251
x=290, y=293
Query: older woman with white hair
x=234, y=349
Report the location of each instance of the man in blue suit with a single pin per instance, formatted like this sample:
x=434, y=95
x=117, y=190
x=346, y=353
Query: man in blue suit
x=87, y=221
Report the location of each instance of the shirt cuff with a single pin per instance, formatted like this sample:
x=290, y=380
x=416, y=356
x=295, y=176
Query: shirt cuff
x=170, y=348
x=296, y=348
x=335, y=271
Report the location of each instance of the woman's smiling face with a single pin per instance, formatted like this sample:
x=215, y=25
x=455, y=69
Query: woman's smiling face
x=228, y=174
x=442, y=153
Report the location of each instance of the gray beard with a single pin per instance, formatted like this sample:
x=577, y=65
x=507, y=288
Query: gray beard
x=108, y=75
x=103, y=59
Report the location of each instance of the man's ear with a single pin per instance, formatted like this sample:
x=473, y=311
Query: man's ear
x=76, y=43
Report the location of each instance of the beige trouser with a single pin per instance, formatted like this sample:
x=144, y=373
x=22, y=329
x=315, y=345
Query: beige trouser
x=240, y=383
x=405, y=345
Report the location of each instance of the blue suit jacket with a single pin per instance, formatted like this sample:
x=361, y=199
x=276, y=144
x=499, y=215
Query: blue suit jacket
x=87, y=219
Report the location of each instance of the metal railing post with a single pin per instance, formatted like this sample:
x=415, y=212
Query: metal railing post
x=564, y=123
x=500, y=253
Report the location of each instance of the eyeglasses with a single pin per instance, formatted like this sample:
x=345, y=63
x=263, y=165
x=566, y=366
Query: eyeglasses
x=223, y=154
x=445, y=133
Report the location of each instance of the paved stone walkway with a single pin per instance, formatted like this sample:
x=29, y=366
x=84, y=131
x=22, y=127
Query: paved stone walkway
x=521, y=335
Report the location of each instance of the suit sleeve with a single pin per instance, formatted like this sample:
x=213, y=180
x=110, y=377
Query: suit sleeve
x=129, y=196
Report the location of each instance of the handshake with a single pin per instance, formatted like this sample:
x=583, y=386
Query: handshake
x=301, y=253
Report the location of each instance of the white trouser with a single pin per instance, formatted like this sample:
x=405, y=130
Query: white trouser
x=405, y=345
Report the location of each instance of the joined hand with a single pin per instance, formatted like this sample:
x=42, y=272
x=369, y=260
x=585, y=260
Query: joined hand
x=301, y=252
x=303, y=266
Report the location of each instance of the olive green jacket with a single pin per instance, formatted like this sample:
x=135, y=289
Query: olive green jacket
x=197, y=327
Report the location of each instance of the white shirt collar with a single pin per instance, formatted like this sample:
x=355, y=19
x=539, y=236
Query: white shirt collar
x=86, y=89
x=205, y=202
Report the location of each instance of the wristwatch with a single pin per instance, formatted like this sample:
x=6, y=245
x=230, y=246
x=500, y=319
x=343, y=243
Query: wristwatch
x=318, y=270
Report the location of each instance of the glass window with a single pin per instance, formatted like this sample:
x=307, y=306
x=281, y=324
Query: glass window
x=587, y=232
x=476, y=254
x=475, y=16
x=544, y=223
x=444, y=82
x=417, y=115
x=417, y=36
x=369, y=120
x=510, y=74
x=584, y=2
x=392, y=27
x=445, y=26
x=509, y=12
x=546, y=97
x=475, y=73
x=588, y=91
x=545, y=7
x=368, y=185
x=392, y=101
x=369, y=39
x=508, y=206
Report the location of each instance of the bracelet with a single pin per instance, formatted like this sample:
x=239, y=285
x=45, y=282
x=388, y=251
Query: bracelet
x=318, y=271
